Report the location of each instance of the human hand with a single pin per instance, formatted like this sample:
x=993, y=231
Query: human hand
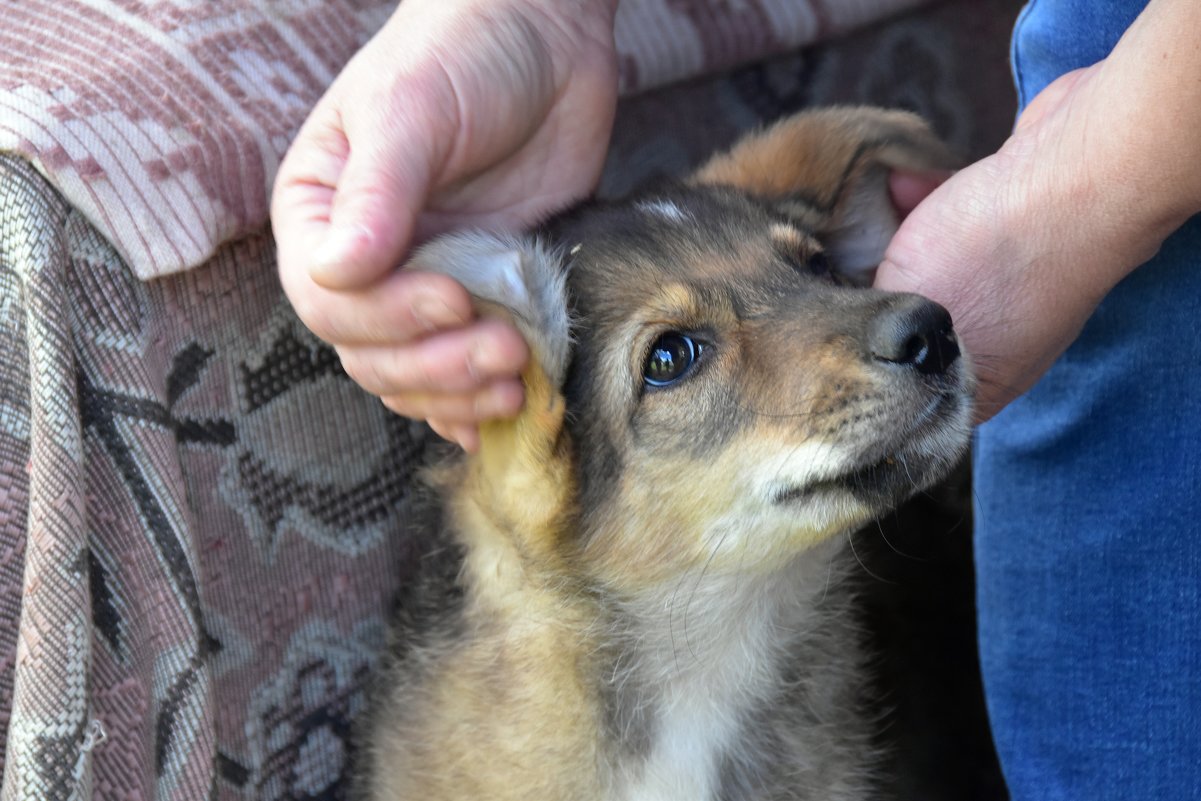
x=1103, y=165
x=1023, y=245
x=484, y=113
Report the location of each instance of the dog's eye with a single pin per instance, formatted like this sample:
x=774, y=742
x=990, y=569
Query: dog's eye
x=819, y=264
x=671, y=357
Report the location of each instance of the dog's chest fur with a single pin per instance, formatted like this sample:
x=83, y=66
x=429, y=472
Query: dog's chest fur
x=713, y=689
x=721, y=672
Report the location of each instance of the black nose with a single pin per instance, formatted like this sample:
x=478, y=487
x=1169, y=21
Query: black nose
x=915, y=332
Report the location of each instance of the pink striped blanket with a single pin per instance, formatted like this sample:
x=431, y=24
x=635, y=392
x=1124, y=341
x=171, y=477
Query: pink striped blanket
x=164, y=121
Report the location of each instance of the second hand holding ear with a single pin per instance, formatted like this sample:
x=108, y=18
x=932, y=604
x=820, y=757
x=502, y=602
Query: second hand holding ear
x=1101, y=168
x=458, y=113
x=1001, y=245
x=1023, y=245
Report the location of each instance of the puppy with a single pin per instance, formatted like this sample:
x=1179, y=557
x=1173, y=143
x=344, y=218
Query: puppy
x=635, y=590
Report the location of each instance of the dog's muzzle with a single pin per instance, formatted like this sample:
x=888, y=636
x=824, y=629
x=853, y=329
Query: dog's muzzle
x=917, y=334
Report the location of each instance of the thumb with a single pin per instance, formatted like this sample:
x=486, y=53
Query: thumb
x=350, y=188
x=381, y=189
x=899, y=270
x=908, y=191
x=948, y=228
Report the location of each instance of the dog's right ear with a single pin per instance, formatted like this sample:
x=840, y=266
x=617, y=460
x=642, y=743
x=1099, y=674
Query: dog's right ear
x=828, y=170
x=523, y=466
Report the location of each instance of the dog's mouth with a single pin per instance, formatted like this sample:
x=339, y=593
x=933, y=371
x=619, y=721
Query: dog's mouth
x=901, y=466
x=888, y=473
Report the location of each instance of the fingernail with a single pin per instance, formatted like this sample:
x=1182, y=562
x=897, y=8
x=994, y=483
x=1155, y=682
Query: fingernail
x=468, y=438
x=495, y=402
x=339, y=246
x=477, y=355
x=432, y=313
x=489, y=358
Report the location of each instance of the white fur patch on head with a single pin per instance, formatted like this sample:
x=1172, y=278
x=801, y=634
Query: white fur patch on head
x=663, y=209
x=517, y=273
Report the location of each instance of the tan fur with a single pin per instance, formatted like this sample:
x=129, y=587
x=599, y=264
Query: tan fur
x=777, y=162
x=512, y=507
x=630, y=637
x=845, y=191
x=468, y=744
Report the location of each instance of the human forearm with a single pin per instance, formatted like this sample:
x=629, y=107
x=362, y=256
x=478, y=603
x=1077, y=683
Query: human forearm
x=1143, y=134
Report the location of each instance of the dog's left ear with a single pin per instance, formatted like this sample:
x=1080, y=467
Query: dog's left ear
x=828, y=171
x=523, y=464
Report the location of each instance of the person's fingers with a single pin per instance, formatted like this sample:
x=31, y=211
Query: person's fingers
x=359, y=172
x=396, y=147
x=303, y=195
x=403, y=307
x=454, y=361
x=465, y=436
x=501, y=398
x=448, y=431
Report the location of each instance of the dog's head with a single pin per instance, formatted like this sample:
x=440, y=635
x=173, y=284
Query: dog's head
x=709, y=386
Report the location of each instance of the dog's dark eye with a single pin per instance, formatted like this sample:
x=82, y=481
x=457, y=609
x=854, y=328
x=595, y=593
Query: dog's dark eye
x=672, y=355
x=818, y=264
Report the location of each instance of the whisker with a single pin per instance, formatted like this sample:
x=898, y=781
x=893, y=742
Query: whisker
x=891, y=547
x=696, y=585
x=866, y=569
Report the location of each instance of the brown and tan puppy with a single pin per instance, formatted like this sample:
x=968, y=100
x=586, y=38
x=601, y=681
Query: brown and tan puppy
x=634, y=591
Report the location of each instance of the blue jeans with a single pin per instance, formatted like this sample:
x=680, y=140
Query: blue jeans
x=1088, y=531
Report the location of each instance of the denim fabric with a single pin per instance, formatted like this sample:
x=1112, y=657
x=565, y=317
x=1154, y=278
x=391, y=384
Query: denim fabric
x=1057, y=36
x=1088, y=532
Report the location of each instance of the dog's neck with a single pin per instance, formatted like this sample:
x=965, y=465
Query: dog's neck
x=701, y=657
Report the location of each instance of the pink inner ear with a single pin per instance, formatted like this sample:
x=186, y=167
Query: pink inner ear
x=864, y=225
x=908, y=188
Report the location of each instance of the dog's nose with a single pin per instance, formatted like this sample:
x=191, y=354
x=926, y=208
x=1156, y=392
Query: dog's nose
x=915, y=332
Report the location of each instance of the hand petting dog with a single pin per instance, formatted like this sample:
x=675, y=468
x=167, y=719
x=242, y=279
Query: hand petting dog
x=458, y=113
x=1101, y=168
